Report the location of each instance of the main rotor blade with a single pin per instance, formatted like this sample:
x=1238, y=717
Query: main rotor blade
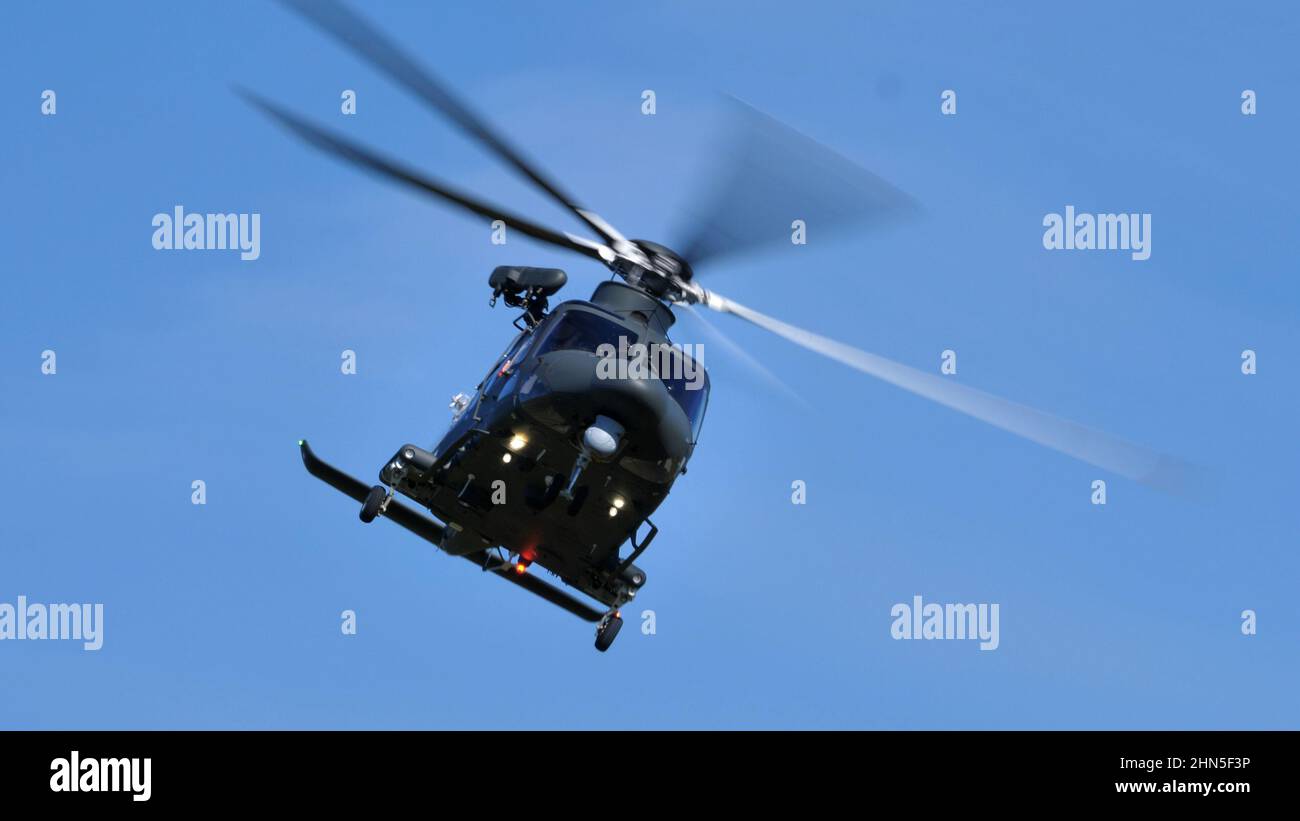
x=1071, y=438
x=771, y=176
x=355, y=32
x=341, y=147
x=750, y=361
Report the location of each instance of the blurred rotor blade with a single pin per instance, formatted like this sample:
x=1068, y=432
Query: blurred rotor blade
x=772, y=176
x=352, y=152
x=353, y=31
x=744, y=356
x=1071, y=438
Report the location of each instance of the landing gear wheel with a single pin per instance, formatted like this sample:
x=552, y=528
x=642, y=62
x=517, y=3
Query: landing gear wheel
x=374, y=503
x=607, y=632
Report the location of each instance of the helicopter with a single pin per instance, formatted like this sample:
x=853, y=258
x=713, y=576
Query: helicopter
x=551, y=462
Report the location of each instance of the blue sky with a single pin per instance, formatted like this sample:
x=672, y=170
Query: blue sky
x=176, y=366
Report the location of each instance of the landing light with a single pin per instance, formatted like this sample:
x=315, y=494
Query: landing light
x=613, y=511
x=505, y=457
x=619, y=502
x=517, y=442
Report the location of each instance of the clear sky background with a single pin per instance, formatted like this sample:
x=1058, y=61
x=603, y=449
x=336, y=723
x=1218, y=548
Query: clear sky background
x=176, y=366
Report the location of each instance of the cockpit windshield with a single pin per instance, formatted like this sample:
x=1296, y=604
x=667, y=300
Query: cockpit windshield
x=583, y=331
x=683, y=377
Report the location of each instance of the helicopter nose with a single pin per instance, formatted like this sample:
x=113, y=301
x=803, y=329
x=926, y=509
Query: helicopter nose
x=571, y=387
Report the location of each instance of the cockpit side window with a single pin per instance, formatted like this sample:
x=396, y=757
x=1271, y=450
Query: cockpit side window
x=688, y=384
x=517, y=350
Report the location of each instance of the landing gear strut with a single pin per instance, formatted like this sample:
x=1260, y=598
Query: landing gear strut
x=607, y=630
x=376, y=501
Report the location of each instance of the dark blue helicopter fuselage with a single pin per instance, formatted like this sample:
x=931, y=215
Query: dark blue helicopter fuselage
x=499, y=474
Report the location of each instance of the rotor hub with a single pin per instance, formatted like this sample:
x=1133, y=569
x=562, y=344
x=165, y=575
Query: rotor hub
x=666, y=261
